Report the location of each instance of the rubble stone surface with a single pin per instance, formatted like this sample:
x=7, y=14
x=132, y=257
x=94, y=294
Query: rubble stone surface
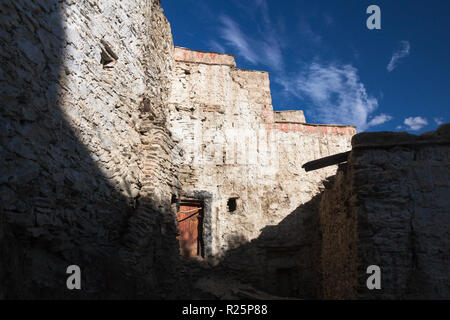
x=389, y=207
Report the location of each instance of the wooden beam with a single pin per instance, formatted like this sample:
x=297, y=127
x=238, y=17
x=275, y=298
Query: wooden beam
x=326, y=161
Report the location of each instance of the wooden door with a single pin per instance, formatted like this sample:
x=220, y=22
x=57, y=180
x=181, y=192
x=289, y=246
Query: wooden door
x=189, y=225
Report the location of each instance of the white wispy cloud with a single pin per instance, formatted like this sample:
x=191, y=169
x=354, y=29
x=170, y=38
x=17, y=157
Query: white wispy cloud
x=232, y=34
x=400, y=53
x=415, y=123
x=334, y=91
x=272, y=54
x=337, y=95
x=379, y=119
x=263, y=48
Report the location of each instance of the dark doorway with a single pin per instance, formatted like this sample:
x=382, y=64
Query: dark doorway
x=190, y=228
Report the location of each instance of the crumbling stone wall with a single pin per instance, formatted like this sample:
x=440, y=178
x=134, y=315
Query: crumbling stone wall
x=231, y=144
x=389, y=206
x=83, y=90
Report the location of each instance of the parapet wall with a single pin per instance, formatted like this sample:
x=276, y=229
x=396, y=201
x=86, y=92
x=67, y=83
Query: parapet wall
x=194, y=56
x=390, y=207
x=309, y=128
x=289, y=116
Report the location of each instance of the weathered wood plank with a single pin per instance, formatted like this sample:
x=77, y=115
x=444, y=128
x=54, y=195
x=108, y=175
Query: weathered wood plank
x=326, y=161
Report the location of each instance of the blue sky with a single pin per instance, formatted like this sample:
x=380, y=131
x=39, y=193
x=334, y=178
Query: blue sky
x=324, y=60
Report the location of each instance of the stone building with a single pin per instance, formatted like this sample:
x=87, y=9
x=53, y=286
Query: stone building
x=120, y=151
x=241, y=163
x=237, y=152
x=389, y=206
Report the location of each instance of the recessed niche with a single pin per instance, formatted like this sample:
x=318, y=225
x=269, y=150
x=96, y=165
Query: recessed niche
x=232, y=204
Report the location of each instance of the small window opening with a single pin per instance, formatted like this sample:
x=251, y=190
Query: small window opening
x=232, y=204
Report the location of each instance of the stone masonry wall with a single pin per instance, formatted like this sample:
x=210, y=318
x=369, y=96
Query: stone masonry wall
x=232, y=145
x=83, y=90
x=389, y=206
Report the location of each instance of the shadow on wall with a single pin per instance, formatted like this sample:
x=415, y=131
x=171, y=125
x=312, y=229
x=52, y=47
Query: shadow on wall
x=57, y=207
x=285, y=259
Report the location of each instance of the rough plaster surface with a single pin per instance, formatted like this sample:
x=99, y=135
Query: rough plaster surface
x=389, y=207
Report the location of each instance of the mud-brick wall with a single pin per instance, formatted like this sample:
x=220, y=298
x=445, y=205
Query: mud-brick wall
x=389, y=207
x=83, y=86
